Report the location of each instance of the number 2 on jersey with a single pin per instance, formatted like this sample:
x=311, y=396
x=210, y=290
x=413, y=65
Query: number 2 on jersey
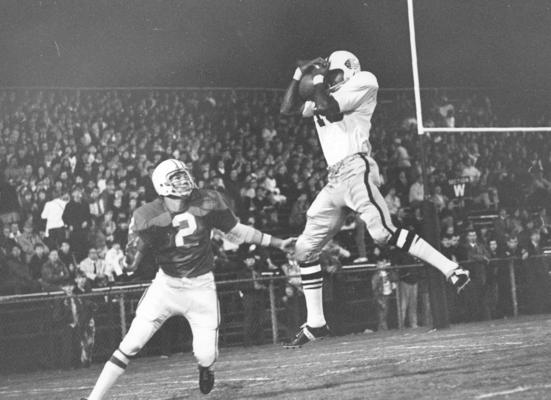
x=187, y=224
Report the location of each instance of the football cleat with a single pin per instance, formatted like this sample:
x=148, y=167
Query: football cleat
x=307, y=334
x=206, y=379
x=459, y=279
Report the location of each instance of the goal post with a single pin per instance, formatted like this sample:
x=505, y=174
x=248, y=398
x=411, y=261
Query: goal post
x=431, y=225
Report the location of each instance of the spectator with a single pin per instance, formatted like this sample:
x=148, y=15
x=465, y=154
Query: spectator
x=502, y=226
x=382, y=287
x=6, y=241
x=511, y=250
x=416, y=192
x=334, y=291
x=53, y=214
x=492, y=276
x=76, y=217
x=114, y=258
x=27, y=241
x=40, y=256
x=393, y=201
x=470, y=171
x=94, y=269
x=293, y=298
x=96, y=203
x=408, y=284
x=17, y=278
x=297, y=218
x=536, y=272
x=439, y=199
x=475, y=295
x=55, y=274
x=84, y=322
x=9, y=205
x=68, y=258
x=253, y=294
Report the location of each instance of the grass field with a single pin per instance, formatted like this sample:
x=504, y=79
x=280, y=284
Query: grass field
x=508, y=359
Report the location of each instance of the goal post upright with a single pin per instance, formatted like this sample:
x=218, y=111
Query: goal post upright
x=431, y=225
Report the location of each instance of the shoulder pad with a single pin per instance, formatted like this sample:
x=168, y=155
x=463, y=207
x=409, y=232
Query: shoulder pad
x=207, y=200
x=143, y=216
x=363, y=79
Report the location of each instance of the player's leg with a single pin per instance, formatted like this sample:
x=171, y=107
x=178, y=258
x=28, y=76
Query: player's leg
x=152, y=312
x=203, y=313
x=364, y=197
x=324, y=219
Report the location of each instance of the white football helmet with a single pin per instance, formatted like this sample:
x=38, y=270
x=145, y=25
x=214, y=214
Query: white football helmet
x=172, y=178
x=346, y=62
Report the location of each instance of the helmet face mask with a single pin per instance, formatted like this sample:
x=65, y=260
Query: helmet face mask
x=172, y=178
x=335, y=79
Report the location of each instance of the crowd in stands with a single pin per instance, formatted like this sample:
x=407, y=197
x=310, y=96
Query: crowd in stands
x=76, y=164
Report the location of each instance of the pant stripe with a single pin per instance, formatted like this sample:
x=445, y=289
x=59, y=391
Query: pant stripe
x=318, y=286
x=119, y=363
x=309, y=277
x=409, y=240
x=372, y=198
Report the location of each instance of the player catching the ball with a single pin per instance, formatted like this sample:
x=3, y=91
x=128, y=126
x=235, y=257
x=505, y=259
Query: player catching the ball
x=341, y=98
x=176, y=228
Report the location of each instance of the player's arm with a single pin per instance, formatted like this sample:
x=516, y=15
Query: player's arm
x=135, y=248
x=292, y=104
x=225, y=220
x=241, y=233
x=325, y=103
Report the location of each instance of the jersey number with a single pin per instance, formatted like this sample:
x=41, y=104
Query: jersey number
x=187, y=224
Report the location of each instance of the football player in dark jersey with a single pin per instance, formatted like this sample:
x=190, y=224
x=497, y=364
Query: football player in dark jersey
x=176, y=228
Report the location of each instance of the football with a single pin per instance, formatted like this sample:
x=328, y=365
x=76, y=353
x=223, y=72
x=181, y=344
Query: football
x=306, y=87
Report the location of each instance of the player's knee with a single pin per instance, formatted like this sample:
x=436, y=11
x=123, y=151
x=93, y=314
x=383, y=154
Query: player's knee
x=130, y=349
x=380, y=235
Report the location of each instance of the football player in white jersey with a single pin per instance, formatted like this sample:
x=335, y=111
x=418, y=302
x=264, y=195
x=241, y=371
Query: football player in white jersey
x=343, y=101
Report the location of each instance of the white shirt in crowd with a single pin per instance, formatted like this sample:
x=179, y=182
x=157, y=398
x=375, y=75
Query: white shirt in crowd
x=52, y=213
x=92, y=268
x=114, y=258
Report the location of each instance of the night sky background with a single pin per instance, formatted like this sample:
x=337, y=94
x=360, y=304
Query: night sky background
x=255, y=43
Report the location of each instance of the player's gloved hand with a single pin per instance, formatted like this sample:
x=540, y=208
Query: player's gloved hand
x=306, y=65
x=288, y=245
x=321, y=68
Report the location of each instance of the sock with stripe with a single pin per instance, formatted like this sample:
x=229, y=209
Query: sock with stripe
x=420, y=248
x=111, y=371
x=312, y=284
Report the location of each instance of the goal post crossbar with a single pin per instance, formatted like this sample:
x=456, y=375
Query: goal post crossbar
x=489, y=129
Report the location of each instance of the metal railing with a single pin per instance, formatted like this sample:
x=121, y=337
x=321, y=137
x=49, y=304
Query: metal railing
x=25, y=316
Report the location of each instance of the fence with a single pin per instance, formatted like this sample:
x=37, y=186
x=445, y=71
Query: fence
x=33, y=335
